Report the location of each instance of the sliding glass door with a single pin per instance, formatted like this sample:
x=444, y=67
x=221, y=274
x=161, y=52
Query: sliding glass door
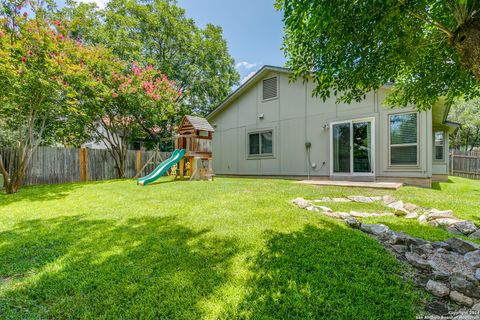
x=352, y=147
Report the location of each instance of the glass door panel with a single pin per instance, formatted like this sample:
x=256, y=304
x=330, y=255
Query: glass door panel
x=341, y=148
x=362, y=146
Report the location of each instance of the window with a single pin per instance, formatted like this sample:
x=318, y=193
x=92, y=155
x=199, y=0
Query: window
x=439, y=145
x=260, y=143
x=270, y=88
x=403, y=139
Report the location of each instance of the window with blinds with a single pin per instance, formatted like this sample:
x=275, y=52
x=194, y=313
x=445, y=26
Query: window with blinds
x=404, y=139
x=270, y=89
x=439, y=145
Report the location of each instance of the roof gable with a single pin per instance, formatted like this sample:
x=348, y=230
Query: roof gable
x=245, y=86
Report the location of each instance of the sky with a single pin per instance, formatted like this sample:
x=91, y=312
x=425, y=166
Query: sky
x=253, y=29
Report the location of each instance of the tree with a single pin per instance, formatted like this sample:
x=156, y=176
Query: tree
x=427, y=48
x=468, y=136
x=41, y=69
x=157, y=33
x=137, y=98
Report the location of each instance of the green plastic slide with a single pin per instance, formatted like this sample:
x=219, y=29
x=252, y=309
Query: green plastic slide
x=175, y=158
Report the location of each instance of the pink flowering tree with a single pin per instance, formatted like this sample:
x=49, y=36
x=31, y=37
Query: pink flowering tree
x=137, y=98
x=43, y=77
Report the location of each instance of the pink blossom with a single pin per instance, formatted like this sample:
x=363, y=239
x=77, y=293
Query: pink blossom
x=57, y=23
x=24, y=59
x=114, y=94
x=2, y=34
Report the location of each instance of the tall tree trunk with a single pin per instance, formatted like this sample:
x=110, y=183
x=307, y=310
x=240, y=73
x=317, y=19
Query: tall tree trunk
x=467, y=41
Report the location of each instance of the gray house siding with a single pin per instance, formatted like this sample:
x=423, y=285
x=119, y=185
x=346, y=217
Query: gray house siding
x=296, y=117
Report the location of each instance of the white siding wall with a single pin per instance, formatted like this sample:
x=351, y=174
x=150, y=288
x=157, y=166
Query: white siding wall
x=296, y=117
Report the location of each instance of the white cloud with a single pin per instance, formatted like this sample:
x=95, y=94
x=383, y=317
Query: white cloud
x=246, y=65
x=99, y=3
x=248, y=76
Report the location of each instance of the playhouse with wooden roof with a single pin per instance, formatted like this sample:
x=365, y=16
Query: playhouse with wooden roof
x=195, y=137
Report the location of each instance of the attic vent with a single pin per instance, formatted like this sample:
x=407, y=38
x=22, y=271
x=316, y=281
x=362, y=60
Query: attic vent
x=270, y=88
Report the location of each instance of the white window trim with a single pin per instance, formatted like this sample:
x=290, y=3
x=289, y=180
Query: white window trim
x=278, y=88
x=260, y=155
x=435, y=146
x=352, y=173
x=390, y=145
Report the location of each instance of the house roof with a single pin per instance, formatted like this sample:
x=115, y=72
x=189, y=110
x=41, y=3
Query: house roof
x=198, y=123
x=243, y=87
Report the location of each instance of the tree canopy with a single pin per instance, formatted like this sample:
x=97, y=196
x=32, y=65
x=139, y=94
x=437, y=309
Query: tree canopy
x=426, y=48
x=468, y=136
x=157, y=33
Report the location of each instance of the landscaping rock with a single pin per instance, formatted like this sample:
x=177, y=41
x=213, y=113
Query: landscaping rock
x=301, y=203
x=464, y=286
x=401, y=212
x=396, y=205
x=388, y=199
x=411, y=215
x=437, y=288
x=441, y=244
x=410, y=207
x=441, y=275
x=376, y=198
x=461, y=299
x=475, y=235
x=417, y=261
x=400, y=248
x=375, y=229
x=473, y=258
x=462, y=246
x=331, y=214
x=358, y=214
x=352, y=222
x=341, y=200
x=476, y=308
x=451, y=229
x=324, y=209
x=343, y=215
x=312, y=208
x=466, y=227
x=443, y=221
x=477, y=274
x=422, y=219
x=360, y=199
x=436, y=214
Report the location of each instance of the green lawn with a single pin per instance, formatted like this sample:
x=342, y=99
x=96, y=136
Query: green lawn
x=232, y=248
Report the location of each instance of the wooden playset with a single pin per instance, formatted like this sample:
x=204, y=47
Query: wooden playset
x=195, y=137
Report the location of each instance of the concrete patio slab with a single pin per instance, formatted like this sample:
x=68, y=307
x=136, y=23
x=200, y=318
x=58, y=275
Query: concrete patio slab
x=354, y=184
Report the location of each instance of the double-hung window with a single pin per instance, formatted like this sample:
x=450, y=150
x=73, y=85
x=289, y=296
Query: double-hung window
x=260, y=143
x=439, y=145
x=403, y=139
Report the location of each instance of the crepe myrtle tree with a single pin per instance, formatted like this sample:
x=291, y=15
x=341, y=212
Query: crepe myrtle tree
x=139, y=98
x=41, y=68
x=427, y=48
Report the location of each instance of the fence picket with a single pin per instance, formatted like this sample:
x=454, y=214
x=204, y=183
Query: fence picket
x=465, y=164
x=51, y=165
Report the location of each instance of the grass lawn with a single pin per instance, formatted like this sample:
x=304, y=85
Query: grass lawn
x=233, y=248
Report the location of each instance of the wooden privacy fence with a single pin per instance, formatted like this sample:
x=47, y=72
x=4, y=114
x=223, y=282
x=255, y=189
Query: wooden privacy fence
x=51, y=165
x=465, y=164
